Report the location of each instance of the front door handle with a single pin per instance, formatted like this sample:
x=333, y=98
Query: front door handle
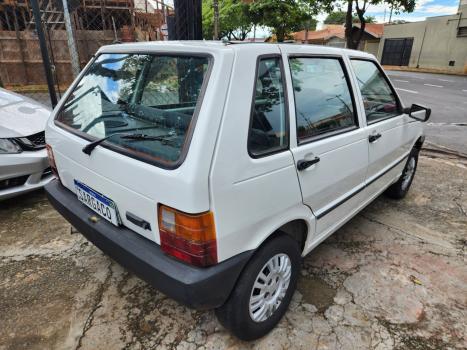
x=374, y=137
x=303, y=164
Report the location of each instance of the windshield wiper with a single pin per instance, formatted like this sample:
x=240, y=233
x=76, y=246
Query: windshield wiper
x=163, y=139
x=134, y=137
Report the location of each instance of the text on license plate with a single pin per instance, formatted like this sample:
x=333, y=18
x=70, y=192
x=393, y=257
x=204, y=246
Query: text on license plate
x=102, y=205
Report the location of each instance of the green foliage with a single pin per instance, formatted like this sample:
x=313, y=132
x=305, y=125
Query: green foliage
x=235, y=19
x=360, y=8
x=287, y=16
x=283, y=16
x=338, y=17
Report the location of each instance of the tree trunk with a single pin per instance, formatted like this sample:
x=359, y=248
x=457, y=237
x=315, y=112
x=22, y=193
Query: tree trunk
x=361, y=17
x=280, y=36
x=348, y=25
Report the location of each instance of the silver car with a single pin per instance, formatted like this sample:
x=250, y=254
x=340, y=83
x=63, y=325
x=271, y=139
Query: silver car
x=23, y=157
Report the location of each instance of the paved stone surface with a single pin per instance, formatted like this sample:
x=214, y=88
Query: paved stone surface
x=394, y=277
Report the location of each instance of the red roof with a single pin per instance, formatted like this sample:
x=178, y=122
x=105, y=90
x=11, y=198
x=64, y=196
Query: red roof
x=375, y=29
x=338, y=30
x=330, y=31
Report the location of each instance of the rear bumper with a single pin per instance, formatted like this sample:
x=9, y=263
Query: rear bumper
x=199, y=288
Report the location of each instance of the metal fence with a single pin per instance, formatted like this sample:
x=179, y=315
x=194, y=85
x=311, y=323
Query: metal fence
x=45, y=43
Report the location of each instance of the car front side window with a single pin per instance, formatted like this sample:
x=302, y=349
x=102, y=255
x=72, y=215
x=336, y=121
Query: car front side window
x=378, y=98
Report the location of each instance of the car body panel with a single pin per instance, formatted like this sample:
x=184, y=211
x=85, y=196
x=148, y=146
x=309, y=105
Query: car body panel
x=251, y=198
x=184, y=188
x=20, y=116
x=28, y=170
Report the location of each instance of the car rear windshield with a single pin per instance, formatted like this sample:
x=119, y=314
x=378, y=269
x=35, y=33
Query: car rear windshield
x=155, y=96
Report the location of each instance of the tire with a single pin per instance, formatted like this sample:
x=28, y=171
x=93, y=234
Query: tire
x=235, y=314
x=399, y=189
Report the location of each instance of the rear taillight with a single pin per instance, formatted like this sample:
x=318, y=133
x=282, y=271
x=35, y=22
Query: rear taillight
x=191, y=238
x=50, y=155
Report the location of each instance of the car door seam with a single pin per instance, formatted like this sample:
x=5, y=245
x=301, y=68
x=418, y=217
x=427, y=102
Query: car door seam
x=358, y=190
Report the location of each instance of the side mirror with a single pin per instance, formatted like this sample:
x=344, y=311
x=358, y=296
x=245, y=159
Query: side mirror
x=418, y=112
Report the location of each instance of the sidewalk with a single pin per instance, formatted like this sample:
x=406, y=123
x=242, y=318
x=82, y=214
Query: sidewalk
x=425, y=70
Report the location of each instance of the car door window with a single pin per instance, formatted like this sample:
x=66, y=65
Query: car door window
x=323, y=101
x=378, y=98
x=268, y=130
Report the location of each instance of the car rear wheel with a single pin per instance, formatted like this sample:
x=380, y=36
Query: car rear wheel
x=263, y=291
x=399, y=189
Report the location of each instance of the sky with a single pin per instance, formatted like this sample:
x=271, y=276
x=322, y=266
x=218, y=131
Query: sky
x=423, y=9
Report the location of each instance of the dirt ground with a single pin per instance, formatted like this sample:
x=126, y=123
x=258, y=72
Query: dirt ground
x=394, y=277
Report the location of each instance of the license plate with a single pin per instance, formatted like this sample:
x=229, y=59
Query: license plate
x=102, y=205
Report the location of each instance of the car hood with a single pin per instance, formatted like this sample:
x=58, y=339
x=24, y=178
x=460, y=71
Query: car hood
x=21, y=116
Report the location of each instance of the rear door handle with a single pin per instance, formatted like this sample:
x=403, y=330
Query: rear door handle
x=303, y=164
x=374, y=137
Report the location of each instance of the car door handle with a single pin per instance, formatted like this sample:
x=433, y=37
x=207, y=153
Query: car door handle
x=303, y=164
x=374, y=137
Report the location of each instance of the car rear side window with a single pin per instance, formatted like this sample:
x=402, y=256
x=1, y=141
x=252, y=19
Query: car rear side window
x=269, y=129
x=323, y=101
x=378, y=98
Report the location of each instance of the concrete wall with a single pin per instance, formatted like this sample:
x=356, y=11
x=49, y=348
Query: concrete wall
x=371, y=46
x=435, y=42
x=336, y=42
x=21, y=60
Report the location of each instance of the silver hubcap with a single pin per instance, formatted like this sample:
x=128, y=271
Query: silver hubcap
x=409, y=171
x=270, y=287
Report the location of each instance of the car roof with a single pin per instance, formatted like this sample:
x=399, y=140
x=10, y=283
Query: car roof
x=210, y=46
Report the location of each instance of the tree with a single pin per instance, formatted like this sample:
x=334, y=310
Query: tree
x=235, y=19
x=338, y=17
x=238, y=17
x=287, y=16
x=335, y=17
x=282, y=16
x=360, y=8
x=370, y=19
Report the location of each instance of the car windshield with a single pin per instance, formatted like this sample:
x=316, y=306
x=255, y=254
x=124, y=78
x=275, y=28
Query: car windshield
x=155, y=95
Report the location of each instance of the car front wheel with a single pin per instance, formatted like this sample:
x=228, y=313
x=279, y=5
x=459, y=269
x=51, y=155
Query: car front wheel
x=263, y=291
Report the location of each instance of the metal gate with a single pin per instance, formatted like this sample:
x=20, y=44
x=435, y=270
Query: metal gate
x=396, y=52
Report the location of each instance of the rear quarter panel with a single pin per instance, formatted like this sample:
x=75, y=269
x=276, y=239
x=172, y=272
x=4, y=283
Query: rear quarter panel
x=251, y=198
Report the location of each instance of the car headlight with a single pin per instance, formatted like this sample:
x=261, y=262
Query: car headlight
x=9, y=146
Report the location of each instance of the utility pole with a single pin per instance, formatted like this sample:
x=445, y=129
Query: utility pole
x=75, y=67
x=215, y=5
x=45, y=55
x=187, y=20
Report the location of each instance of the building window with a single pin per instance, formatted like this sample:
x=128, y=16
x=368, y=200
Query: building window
x=462, y=31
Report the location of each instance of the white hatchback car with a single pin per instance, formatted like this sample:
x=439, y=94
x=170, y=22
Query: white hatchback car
x=210, y=169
